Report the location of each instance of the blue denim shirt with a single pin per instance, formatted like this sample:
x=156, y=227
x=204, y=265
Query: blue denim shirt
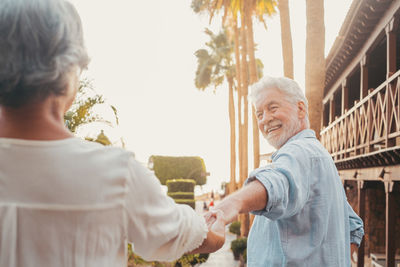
x=307, y=220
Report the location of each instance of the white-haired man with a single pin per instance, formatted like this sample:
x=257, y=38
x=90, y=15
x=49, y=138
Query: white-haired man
x=302, y=214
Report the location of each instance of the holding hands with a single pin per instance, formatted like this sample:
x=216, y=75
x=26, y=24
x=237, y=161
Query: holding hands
x=216, y=232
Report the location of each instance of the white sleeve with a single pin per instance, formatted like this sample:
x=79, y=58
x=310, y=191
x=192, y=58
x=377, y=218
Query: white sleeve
x=159, y=228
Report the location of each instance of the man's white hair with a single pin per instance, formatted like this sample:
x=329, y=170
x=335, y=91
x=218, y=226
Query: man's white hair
x=287, y=86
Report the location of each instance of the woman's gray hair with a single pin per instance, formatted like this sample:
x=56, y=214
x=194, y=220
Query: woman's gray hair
x=287, y=86
x=41, y=41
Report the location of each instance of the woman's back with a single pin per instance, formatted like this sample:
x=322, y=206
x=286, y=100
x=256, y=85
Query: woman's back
x=76, y=203
x=62, y=203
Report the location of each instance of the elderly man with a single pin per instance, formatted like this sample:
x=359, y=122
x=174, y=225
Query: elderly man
x=302, y=214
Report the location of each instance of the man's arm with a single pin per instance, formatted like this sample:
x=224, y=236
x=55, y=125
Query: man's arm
x=356, y=226
x=356, y=231
x=250, y=197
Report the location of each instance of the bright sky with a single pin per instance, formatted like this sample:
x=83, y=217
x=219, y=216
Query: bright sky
x=143, y=63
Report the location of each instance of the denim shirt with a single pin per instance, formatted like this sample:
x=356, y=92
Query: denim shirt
x=307, y=220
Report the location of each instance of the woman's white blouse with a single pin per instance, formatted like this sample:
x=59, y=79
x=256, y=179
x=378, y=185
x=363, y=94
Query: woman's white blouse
x=75, y=203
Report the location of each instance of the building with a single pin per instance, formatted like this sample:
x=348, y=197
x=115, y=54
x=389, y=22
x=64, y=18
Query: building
x=361, y=120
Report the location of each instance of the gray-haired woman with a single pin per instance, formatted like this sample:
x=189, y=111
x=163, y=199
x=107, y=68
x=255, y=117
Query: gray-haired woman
x=64, y=201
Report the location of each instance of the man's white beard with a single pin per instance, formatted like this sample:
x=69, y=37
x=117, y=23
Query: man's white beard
x=288, y=130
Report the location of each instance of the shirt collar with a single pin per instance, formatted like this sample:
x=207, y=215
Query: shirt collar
x=307, y=133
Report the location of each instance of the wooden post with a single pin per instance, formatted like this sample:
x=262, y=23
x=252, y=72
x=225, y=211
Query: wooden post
x=345, y=96
x=391, y=49
x=364, y=77
x=332, y=110
x=361, y=213
x=390, y=225
x=391, y=69
x=370, y=123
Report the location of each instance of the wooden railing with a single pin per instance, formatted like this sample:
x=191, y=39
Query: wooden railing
x=371, y=125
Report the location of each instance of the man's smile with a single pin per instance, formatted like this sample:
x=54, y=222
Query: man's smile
x=271, y=129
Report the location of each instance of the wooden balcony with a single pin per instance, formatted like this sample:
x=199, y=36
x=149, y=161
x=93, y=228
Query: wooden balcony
x=368, y=134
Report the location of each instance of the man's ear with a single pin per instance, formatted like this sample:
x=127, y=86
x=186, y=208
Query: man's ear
x=301, y=110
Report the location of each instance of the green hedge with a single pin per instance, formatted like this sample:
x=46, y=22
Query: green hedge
x=166, y=168
x=238, y=246
x=180, y=185
x=234, y=228
x=182, y=195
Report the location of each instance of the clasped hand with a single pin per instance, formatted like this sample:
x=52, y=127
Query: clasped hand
x=215, y=222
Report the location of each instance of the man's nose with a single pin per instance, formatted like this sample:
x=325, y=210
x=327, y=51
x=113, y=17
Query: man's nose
x=265, y=118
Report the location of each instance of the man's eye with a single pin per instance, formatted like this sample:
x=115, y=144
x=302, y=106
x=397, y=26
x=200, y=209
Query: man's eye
x=273, y=108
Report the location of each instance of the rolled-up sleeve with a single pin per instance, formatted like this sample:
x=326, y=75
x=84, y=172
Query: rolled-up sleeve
x=159, y=228
x=356, y=226
x=286, y=180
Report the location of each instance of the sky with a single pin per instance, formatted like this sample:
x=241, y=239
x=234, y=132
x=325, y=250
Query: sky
x=143, y=63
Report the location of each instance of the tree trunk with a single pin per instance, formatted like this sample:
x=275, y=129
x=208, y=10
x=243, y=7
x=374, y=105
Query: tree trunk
x=253, y=79
x=232, y=183
x=315, y=61
x=239, y=90
x=286, y=38
x=245, y=83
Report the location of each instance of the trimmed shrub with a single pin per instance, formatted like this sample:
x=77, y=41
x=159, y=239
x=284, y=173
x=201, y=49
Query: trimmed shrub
x=234, y=228
x=166, y=168
x=238, y=246
x=181, y=195
x=180, y=185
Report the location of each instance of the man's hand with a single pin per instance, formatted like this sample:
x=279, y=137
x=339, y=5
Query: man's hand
x=216, y=233
x=216, y=222
x=210, y=218
x=353, y=250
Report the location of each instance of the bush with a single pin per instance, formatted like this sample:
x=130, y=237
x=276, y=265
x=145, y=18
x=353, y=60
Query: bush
x=234, y=228
x=192, y=259
x=181, y=195
x=238, y=247
x=166, y=168
x=180, y=185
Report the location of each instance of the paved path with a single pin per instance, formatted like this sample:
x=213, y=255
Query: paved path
x=224, y=256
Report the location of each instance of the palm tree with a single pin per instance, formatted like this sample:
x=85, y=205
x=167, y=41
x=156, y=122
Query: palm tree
x=286, y=38
x=82, y=110
x=213, y=67
x=244, y=48
x=315, y=61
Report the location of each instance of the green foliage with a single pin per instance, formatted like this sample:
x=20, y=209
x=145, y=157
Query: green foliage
x=135, y=260
x=214, y=64
x=234, y=228
x=258, y=9
x=81, y=111
x=245, y=255
x=191, y=260
x=238, y=246
x=181, y=195
x=166, y=168
x=180, y=185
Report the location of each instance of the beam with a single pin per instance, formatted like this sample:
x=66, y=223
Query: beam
x=391, y=48
x=361, y=213
x=390, y=246
x=390, y=173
